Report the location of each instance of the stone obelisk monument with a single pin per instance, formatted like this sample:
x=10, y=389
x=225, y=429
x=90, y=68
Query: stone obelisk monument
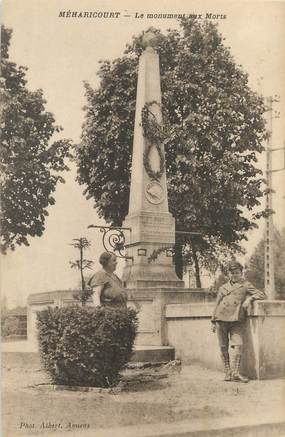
x=152, y=225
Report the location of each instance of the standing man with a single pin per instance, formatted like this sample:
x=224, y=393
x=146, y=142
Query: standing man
x=228, y=319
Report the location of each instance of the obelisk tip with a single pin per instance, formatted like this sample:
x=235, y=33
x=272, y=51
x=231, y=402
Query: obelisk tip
x=149, y=39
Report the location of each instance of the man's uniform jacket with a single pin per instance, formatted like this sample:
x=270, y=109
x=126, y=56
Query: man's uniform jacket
x=230, y=299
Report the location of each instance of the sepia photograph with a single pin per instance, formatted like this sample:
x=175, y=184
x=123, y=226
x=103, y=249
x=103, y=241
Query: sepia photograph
x=142, y=215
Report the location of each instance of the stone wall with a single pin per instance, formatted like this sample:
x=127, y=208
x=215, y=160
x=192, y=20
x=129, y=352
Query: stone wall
x=189, y=332
x=181, y=318
x=40, y=301
x=152, y=303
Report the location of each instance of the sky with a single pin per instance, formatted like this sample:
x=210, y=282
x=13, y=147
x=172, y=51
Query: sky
x=62, y=53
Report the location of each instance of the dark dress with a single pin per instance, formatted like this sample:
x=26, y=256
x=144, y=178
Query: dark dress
x=113, y=293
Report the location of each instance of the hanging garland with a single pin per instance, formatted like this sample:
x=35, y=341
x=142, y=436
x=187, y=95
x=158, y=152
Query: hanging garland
x=153, y=133
x=152, y=173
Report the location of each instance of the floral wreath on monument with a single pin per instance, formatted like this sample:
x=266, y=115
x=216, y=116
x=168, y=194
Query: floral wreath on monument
x=152, y=131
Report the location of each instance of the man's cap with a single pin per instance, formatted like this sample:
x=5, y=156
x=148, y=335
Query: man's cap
x=234, y=265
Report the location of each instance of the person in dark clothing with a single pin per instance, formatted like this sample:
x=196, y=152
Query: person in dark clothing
x=108, y=287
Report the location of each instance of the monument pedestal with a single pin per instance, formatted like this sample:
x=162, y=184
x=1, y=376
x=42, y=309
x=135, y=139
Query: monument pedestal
x=149, y=244
x=153, y=354
x=151, y=304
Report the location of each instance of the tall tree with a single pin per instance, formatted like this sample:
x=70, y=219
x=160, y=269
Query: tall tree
x=213, y=131
x=30, y=163
x=255, y=264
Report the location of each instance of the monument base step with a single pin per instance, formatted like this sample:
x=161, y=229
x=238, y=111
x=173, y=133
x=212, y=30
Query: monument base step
x=142, y=354
x=154, y=354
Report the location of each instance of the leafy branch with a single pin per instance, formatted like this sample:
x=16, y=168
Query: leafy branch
x=154, y=255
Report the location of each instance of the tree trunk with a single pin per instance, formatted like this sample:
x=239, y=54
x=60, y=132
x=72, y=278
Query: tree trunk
x=197, y=268
x=178, y=259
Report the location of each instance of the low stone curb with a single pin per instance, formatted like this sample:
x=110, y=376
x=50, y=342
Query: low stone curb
x=145, y=365
x=54, y=387
x=85, y=389
x=127, y=381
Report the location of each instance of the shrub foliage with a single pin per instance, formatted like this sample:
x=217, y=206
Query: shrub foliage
x=86, y=346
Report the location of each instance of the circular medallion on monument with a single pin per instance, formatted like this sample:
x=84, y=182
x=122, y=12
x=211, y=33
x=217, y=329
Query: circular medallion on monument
x=154, y=192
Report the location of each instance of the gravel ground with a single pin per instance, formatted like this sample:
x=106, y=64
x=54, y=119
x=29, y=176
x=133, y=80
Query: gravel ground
x=30, y=405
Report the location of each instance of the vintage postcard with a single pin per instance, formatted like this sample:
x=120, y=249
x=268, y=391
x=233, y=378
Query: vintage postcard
x=147, y=139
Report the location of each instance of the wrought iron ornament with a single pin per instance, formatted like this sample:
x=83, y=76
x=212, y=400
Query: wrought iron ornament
x=113, y=239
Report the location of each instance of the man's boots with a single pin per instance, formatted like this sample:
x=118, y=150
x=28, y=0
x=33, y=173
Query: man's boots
x=226, y=361
x=236, y=359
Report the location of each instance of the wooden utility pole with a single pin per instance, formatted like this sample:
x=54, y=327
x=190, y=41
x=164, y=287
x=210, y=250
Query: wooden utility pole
x=269, y=280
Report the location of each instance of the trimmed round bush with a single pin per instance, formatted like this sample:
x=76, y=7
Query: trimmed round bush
x=86, y=346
